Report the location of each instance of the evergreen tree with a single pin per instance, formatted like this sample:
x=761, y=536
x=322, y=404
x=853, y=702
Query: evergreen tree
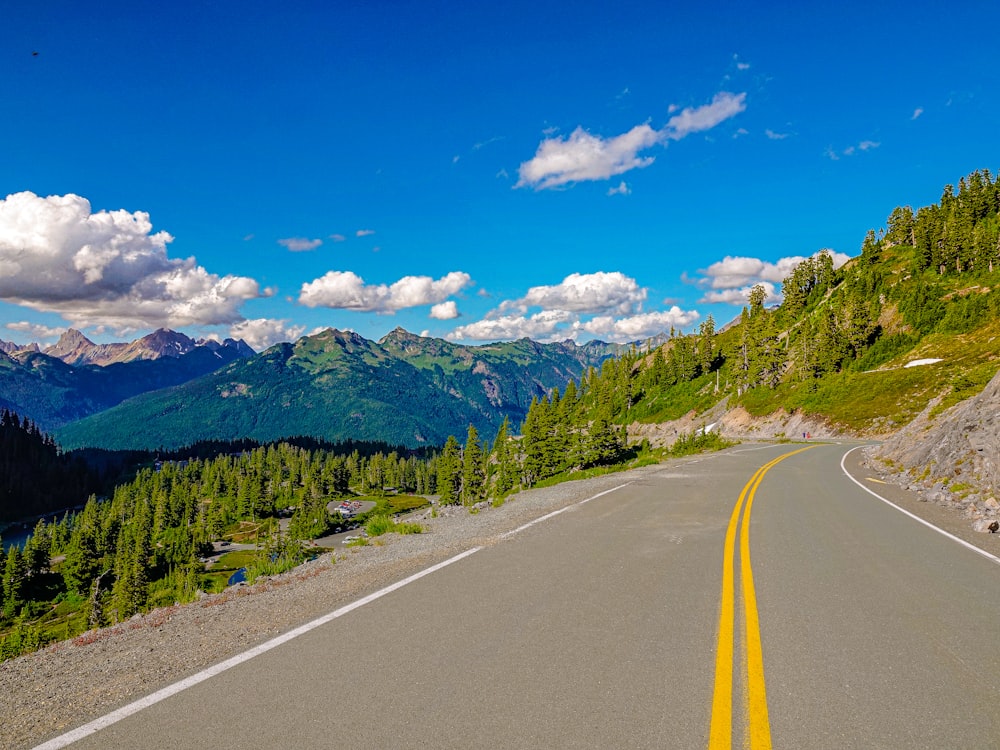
x=14, y=573
x=449, y=473
x=473, y=474
x=503, y=463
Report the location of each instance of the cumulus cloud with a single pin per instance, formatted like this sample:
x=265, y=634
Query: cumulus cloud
x=622, y=189
x=730, y=279
x=775, y=136
x=261, y=333
x=107, y=268
x=364, y=232
x=593, y=293
x=642, y=326
x=300, y=244
x=338, y=237
x=36, y=331
x=345, y=290
x=540, y=326
x=604, y=304
x=917, y=112
x=582, y=156
x=445, y=310
x=741, y=296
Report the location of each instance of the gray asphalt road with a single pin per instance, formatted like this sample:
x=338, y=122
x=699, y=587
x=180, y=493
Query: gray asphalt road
x=598, y=629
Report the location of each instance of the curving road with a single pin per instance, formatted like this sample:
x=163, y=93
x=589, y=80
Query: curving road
x=611, y=626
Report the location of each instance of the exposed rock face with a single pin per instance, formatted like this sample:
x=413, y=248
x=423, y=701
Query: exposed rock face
x=9, y=347
x=735, y=423
x=960, y=445
x=77, y=350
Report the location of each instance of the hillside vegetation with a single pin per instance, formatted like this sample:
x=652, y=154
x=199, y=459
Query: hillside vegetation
x=336, y=385
x=925, y=287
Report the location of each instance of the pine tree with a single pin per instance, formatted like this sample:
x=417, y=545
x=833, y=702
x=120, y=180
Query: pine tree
x=504, y=469
x=14, y=573
x=449, y=472
x=473, y=474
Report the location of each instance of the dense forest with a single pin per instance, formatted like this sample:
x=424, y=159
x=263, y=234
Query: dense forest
x=146, y=545
x=35, y=476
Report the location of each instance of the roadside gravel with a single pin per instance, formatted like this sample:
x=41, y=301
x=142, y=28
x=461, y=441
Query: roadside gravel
x=70, y=683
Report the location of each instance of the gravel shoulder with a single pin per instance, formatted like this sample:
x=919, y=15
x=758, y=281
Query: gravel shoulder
x=70, y=683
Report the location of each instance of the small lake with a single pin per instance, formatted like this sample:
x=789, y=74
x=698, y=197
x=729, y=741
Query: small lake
x=15, y=536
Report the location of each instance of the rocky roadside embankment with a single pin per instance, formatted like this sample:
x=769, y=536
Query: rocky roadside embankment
x=953, y=458
x=736, y=424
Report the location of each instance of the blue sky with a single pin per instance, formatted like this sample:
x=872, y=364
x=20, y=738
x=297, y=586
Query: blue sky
x=552, y=170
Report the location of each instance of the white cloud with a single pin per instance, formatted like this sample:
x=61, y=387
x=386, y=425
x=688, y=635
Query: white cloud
x=833, y=155
x=608, y=305
x=36, y=331
x=774, y=136
x=582, y=156
x=734, y=271
x=338, y=237
x=622, y=189
x=364, y=232
x=731, y=278
x=593, y=293
x=346, y=290
x=740, y=132
x=107, y=268
x=445, y=310
x=696, y=119
x=300, y=244
x=741, y=296
x=261, y=333
x=917, y=112
x=540, y=326
x=642, y=326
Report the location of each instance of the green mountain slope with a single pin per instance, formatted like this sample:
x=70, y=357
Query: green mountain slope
x=404, y=390
x=863, y=348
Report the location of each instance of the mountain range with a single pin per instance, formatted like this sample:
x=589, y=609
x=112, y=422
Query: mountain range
x=76, y=377
x=403, y=389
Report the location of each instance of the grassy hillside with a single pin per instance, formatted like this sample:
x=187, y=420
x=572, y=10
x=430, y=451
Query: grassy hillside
x=926, y=287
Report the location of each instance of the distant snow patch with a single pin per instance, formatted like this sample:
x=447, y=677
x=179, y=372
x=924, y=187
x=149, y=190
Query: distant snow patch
x=919, y=362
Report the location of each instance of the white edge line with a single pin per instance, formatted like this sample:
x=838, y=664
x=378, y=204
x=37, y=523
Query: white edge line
x=125, y=711
x=132, y=708
x=928, y=524
x=555, y=513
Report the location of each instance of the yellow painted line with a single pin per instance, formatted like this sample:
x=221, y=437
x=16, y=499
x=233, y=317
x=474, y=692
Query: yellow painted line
x=758, y=732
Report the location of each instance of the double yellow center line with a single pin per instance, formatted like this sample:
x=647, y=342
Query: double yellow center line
x=758, y=736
